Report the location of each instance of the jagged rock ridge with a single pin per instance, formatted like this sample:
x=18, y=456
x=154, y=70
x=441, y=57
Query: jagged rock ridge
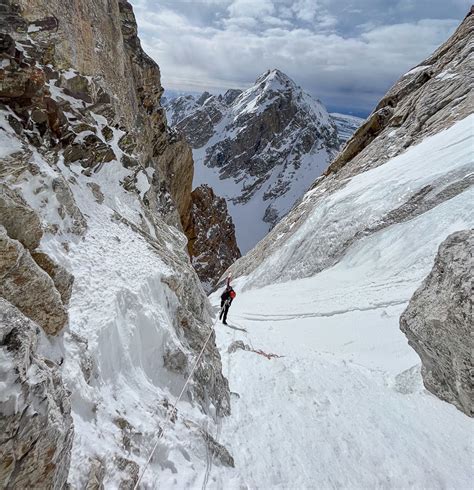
x=95, y=191
x=260, y=148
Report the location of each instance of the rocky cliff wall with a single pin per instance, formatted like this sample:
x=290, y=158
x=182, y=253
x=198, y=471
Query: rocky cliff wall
x=211, y=244
x=94, y=194
x=99, y=40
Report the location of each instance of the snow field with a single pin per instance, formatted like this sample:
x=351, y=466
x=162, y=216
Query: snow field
x=345, y=406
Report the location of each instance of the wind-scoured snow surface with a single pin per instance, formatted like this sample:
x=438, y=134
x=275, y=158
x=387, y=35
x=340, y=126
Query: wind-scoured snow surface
x=345, y=407
x=368, y=198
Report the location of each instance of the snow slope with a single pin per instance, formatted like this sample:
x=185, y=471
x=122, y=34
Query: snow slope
x=366, y=200
x=345, y=407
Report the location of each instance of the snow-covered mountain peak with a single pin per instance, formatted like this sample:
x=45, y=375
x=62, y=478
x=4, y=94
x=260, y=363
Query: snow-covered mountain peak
x=260, y=148
x=275, y=80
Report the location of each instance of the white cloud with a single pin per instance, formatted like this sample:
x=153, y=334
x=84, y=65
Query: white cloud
x=251, y=8
x=240, y=39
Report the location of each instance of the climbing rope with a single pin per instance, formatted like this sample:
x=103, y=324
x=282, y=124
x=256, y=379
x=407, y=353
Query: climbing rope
x=173, y=409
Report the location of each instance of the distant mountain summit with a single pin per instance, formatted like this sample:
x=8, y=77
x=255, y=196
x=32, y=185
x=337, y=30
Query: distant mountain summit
x=260, y=148
x=346, y=125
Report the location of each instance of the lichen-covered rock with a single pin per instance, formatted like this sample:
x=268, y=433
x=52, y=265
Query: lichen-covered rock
x=439, y=319
x=212, y=244
x=27, y=286
x=36, y=428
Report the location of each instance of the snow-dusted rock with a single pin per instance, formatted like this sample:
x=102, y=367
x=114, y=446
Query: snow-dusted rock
x=36, y=428
x=260, y=148
x=421, y=103
x=438, y=322
x=211, y=244
x=20, y=220
x=84, y=143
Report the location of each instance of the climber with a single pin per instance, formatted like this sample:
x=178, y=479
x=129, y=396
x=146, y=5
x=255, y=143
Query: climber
x=226, y=299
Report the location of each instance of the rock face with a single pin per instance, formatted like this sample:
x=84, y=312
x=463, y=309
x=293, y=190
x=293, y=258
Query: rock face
x=431, y=97
x=95, y=193
x=212, y=244
x=438, y=323
x=25, y=282
x=36, y=428
x=67, y=37
x=29, y=287
x=20, y=221
x=259, y=149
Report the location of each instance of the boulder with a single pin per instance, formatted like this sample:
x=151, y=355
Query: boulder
x=438, y=323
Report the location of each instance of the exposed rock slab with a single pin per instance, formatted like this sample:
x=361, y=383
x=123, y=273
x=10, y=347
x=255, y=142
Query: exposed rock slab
x=19, y=219
x=439, y=319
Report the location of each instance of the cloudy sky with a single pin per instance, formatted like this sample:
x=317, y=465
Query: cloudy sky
x=346, y=52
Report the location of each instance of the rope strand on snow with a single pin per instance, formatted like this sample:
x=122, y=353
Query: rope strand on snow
x=172, y=411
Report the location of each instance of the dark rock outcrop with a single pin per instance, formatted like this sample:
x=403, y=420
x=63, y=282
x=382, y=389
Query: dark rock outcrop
x=212, y=245
x=36, y=429
x=439, y=319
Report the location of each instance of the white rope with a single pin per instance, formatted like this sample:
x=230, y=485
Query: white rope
x=172, y=411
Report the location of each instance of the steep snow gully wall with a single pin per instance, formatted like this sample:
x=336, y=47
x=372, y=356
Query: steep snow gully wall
x=102, y=314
